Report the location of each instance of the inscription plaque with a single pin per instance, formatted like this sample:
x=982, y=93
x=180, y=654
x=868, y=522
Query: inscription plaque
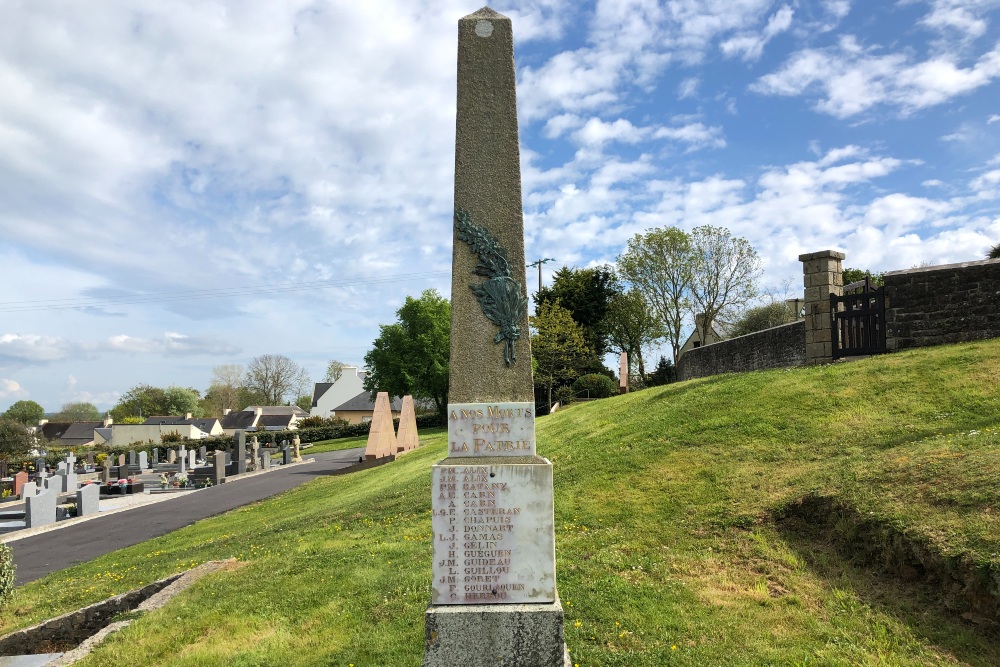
x=491, y=429
x=494, y=534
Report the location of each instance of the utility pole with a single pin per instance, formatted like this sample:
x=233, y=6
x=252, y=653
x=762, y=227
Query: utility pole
x=539, y=263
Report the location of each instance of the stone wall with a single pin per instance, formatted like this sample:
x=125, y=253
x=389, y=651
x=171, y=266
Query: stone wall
x=778, y=347
x=936, y=305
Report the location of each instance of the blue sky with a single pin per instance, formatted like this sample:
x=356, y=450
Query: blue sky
x=198, y=183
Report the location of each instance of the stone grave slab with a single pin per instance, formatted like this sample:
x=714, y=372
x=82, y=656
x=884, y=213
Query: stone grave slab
x=88, y=500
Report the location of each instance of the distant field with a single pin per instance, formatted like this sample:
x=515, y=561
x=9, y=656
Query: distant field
x=759, y=519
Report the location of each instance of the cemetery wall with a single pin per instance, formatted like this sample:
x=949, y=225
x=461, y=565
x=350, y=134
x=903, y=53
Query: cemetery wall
x=778, y=347
x=935, y=305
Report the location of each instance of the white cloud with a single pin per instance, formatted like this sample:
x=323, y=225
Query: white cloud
x=11, y=389
x=932, y=183
x=33, y=348
x=750, y=45
x=962, y=16
x=852, y=79
x=172, y=344
x=987, y=185
x=696, y=135
x=687, y=88
x=993, y=119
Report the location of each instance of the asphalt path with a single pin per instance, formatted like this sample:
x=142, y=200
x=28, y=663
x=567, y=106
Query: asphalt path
x=38, y=555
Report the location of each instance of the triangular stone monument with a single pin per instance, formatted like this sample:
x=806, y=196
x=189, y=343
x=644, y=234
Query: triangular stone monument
x=406, y=437
x=493, y=595
x=382, y=435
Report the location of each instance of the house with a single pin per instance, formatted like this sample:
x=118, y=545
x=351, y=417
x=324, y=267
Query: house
x=360, y=408
x=262, y=418
x=716, y=332
x=210, y=425
x=123, y=435
x=328, y=396
x=70, y=434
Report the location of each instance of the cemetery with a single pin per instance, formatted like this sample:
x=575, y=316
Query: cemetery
x=813, y=513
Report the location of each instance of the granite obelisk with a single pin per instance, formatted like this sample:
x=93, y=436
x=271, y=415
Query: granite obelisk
x=493, y=596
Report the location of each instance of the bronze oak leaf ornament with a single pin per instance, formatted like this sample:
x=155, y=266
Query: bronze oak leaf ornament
x=500, y=296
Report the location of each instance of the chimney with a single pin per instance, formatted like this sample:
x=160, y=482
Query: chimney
x=226, y=411
x=43, y=422
x=187, y=415
x=108, y=421
x=258, y=411
x=699, y=318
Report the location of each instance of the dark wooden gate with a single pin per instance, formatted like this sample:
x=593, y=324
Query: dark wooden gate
x=858, y=320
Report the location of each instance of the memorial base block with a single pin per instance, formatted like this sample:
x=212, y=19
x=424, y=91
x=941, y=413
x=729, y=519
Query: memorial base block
x=495, y=635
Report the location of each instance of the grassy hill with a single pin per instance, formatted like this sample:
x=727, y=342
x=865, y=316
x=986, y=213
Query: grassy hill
x=837, y=515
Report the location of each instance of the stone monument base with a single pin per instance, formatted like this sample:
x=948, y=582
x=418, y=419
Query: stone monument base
x=489, y=635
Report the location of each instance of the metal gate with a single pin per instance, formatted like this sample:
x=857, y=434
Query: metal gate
x=858, y=320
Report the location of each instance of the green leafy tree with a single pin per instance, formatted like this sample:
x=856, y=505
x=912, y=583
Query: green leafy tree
x=14, y=439
x=994, y=252
x=182, y=400
x=660, y=265
x=587, y=295
x=276, y=378
x=77, y=412
x=630, y=324
x=141, y=401
x=857, y=275
x=224, y=390
x=763, y=317
x=724, y=274
x=664, y=373
x=305, y=402
x=25, y=412
x=559, y=349
x=411, y=355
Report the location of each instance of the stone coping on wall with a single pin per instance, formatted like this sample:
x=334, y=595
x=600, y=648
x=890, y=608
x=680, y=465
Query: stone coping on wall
x=943, y=267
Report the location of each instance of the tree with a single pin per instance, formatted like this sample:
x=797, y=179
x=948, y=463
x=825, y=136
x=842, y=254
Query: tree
x=586, y=294
x=14, y=439
x=857, y=275
x=182, y=400
x=275, y=377
x=763, y=317
x=224, y=389
x=558, y=347
x=142, y=400
x=305, y=402
x=659, y=264
x=27, y=413
x=994, y=252
x=724, y=274
x=630, y=325
x=334, y=370
x=411, y=355
x=664, y=373
x=77, y=412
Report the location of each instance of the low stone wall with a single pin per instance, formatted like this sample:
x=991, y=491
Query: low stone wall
x=778, y=347
x=935, y=305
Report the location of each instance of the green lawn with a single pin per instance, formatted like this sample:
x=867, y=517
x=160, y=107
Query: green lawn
x=669, y=545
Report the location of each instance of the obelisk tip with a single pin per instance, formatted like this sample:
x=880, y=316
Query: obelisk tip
x=485, y=13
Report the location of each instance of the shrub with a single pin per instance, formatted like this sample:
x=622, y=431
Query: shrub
x=173, y=436
x=563, y=395
x=594, y=385
x=762, y=317
x=7, y=570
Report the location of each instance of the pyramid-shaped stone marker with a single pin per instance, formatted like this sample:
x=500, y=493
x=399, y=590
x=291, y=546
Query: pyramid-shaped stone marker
x=406, y=438
x=382, y=436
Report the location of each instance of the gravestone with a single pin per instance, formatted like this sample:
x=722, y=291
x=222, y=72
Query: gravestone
x=203, y=453
x=106, y=471
x=121, y=459
x=493, y=595
x=182, y=461
x=40, y=510
x=241, y=452
x=156, y=455
x=406, y=438
x=20, y=479
x=254, y=454
x=143, y=461
x=286, y=455
x=40, y=466
x=29, y=489
x=67, y=481
x=171, y=456
x=265, y=461
x=132, y=460
x=381, y=433
x=297, y=443
x=90, y=459
x=123, y=471
x=192, y=459
x=61, y=468
x=219, y=470
x=88, y=500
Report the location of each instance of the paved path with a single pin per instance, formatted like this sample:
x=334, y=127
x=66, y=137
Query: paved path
x=38, y=555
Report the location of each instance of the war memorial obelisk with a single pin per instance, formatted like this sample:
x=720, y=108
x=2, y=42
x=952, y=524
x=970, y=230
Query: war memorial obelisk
x=493, y=597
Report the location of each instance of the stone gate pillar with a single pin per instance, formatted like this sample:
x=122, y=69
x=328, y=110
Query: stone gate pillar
x=822, y=275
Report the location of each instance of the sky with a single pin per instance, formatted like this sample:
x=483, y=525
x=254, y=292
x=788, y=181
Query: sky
x=189, y=184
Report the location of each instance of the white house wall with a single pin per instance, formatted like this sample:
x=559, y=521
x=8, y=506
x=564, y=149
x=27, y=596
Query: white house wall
x=349, y=385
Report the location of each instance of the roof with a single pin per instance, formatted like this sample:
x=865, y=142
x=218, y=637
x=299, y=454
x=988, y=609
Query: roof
x=238, y=420
x=363, y=403
x=318, y=390
x=277, y=410
x=204, y=423
x=70, y=433
x=274, y=420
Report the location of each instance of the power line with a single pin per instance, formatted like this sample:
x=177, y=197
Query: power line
x=188, y=295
